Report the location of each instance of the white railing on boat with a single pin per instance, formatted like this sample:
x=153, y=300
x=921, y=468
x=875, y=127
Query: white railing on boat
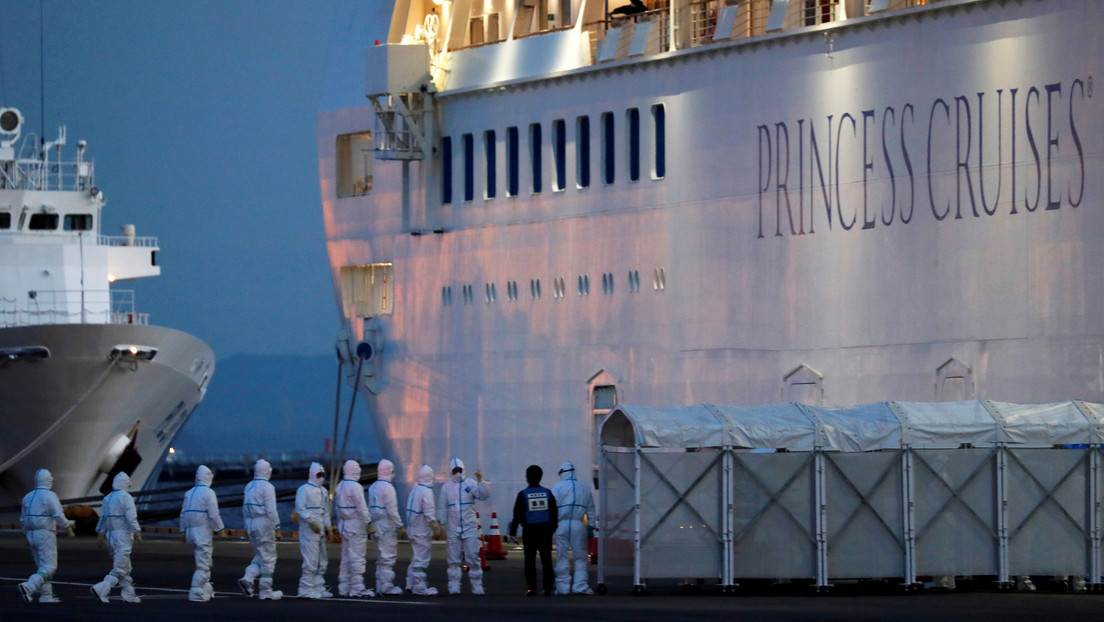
x=696, y=21
x=71, y=307
x=146, y=241
x=31, y=172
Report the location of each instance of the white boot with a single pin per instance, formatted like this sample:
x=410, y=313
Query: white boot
x=46, y=594
x=26, y=592
x=102, y=589
x=130, y=596
x=266, y=591
x=198, y=595
x=127, y=590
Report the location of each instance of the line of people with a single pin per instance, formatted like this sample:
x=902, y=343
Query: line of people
x=546, y=514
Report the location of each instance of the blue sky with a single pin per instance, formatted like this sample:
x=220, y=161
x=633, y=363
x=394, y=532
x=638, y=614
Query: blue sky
x=200, y=116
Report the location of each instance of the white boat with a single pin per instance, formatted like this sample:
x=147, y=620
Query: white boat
x=535, y=212
x=87, y=386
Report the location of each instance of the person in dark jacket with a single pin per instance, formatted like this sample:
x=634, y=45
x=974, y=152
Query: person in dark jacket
x=535, y=511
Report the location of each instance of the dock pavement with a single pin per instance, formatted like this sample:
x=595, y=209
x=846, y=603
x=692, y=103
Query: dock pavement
x=163, y=567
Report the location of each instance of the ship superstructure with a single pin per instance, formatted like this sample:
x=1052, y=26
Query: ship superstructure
x=536, y=211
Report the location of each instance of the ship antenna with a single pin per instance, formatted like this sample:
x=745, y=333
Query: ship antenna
x=41, y=72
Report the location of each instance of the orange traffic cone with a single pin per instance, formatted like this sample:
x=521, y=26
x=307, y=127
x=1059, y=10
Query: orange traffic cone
x=482, y=546
x=592, y=544
x=494, y=540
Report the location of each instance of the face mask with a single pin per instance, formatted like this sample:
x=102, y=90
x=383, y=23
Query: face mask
x=458, y=477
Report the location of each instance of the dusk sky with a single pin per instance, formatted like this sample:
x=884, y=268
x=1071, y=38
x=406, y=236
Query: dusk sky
x=200, y=117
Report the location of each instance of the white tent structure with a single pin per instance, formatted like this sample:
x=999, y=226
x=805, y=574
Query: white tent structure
x=884, y=490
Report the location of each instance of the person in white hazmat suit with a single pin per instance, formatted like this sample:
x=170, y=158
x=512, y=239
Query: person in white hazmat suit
x=421, y=522
x=42, y=515
x=262, y=523
x=353, y=522
x=199, y=519
x=457, y=505
x=118, y=523
x=312, y=506
x=383, y=504
x=574, y=500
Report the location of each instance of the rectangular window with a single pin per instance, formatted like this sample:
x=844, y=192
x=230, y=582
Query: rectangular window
x=608, y=149
x=535, y=147
x=489, y=151
x=512, y=166
x=659, y=120
x=632, y=118
x=44, y=222
x=446, y=170
x=5, y=220
x=367, y=290
x=559, y=154
x=582, y=151
x=354, y=164
x=78, y=222
x=469, y=166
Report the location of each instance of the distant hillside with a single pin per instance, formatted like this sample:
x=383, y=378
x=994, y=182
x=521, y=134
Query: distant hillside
x=272, y=404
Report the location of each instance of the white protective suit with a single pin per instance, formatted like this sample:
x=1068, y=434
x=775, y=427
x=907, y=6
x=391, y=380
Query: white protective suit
x=383, y=504
x=118, y=522
x=42, y=515
x=353, y=519
x=199, y=519
x=457, y=506
x=262, y=523
x=312, y=505
x=574, y=500
x=421, y=519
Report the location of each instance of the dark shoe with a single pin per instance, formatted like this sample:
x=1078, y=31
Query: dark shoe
x=547, y=592
x=531, y=593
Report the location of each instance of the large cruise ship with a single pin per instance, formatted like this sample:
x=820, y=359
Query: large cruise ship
x=536, y=210
x=88, y=387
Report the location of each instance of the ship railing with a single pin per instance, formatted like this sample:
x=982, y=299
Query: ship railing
x=27, y=172
x=658, y=16
x=703, y=21
x=72, y=307
x=404, y=126
x=824, y=12
x=146, y=241
x=186, y=463
x=697, y=21
x=537, y=33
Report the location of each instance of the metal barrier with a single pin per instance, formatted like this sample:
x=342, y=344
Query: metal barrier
x=727, y=513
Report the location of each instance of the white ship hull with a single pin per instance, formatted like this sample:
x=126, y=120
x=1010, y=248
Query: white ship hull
x=74, y=407
x=895, y=207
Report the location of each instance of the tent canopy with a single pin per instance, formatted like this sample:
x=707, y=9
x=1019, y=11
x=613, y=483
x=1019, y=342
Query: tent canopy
x=881, y=425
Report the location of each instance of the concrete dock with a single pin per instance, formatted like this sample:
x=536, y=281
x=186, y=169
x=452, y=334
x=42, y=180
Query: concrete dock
x=163, y=567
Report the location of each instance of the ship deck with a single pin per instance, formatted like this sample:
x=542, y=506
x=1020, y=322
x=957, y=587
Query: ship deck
x=163, y=569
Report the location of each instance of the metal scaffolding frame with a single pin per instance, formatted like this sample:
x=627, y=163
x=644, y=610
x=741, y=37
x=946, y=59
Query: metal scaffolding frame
x=700, y=507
